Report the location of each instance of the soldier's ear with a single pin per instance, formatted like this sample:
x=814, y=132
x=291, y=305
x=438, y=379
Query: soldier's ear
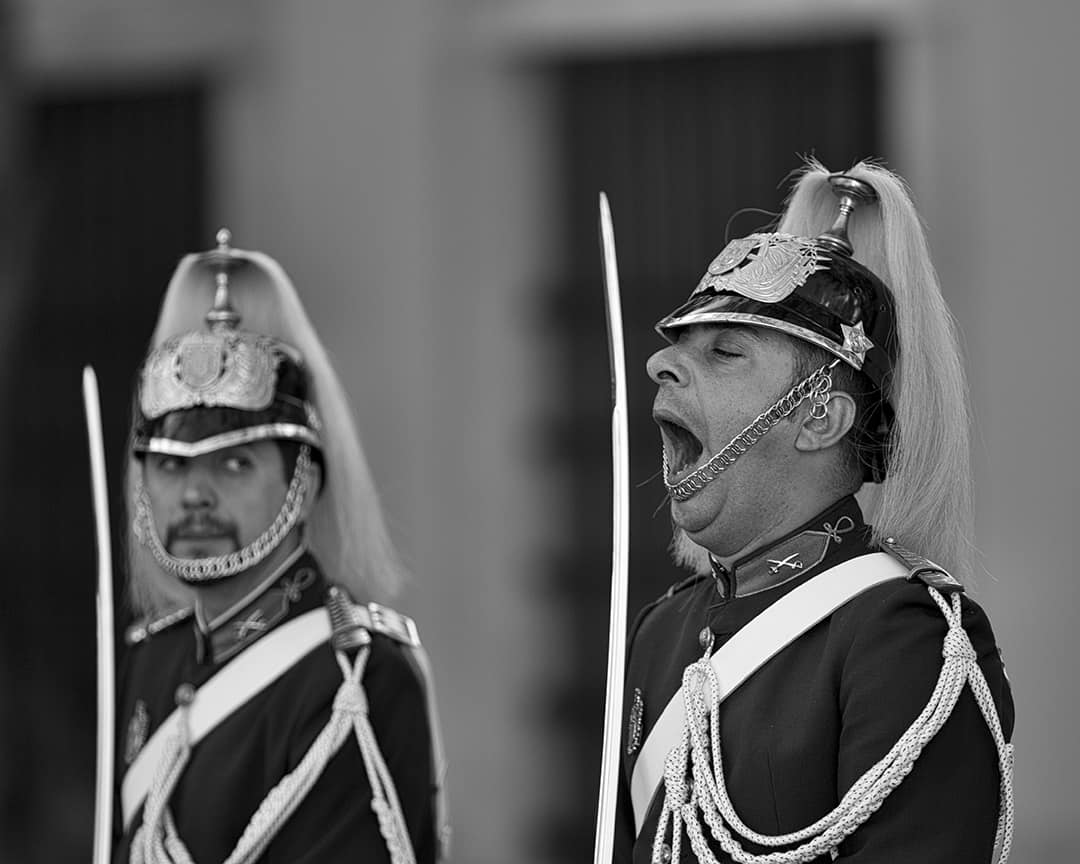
x=820, y=433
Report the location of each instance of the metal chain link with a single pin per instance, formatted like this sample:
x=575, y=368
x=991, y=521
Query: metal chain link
x=816, y=386
x=221, y=566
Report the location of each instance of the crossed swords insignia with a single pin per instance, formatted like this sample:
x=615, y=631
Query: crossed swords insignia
x=254, y=623
x=791, y=561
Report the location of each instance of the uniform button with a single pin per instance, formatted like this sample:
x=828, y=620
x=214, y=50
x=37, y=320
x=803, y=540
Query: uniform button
x=704, y=637
x=665, y=854
x=185, y=694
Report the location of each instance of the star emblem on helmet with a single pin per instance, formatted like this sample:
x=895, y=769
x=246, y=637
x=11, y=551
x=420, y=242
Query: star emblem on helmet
x=856, y=342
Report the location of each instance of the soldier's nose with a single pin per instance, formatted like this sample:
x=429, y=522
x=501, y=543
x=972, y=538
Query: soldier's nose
x=198, y=493
x=666, y=367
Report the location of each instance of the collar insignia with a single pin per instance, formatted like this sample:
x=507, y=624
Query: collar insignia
x=795, y=556
x=843, y=525
x=791, y=561
x=254, y=623
x=236, y=630
x=293, y=585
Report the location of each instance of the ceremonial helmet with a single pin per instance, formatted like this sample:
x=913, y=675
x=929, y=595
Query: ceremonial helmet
x=234, y=359
x=848, y=270
x=810, y=288
x=220, y=386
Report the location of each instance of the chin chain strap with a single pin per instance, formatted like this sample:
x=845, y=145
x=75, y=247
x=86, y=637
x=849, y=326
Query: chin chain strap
x=157, y=840
x=816, y=387
x=708, y=793
x=199, y=570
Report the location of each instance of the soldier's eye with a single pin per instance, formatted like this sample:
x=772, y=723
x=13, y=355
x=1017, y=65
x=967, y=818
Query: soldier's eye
x=726, y=351
x=169, y=464
x=237, y=463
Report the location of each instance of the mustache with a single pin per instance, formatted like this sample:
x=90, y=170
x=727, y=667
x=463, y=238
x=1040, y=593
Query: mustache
x=201, y=527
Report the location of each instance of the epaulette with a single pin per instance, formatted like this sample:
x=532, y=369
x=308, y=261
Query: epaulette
x=353, y=623
x=922, y=569
x=144, y=628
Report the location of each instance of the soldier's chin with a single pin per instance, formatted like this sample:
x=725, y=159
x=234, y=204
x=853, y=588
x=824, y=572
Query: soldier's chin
x=202, y=547
x=697, y=513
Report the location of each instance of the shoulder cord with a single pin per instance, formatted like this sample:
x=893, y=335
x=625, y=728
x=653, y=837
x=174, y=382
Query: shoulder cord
x=157, y=840
x=708, y=793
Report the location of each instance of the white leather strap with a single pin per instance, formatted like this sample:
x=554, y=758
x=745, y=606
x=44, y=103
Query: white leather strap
x=757, y=642
x=244, y=677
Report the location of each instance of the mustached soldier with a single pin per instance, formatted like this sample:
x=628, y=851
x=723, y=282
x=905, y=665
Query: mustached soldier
x=820, y=689
x=263, y=714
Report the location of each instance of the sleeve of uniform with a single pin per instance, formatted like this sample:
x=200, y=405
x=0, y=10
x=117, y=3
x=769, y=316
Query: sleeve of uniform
x=335, y=821
x=946, y=809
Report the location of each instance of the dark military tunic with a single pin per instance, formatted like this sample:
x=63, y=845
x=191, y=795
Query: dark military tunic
x=805, y=726
x=235, y=766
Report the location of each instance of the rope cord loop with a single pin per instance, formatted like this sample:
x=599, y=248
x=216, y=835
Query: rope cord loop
x=158, y=842
x=698, y=755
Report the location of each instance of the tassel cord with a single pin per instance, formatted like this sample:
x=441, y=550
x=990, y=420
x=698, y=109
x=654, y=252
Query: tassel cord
x=158, y=842
x=708, y=793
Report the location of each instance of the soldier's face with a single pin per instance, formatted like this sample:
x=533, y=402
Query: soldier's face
x=713, y=382
x=216, y=503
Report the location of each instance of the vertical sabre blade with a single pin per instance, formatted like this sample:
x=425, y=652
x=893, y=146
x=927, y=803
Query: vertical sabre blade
x=620, y=457
x=106, y=676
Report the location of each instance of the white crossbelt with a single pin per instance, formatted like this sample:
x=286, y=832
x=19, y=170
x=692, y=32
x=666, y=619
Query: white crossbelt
x=757, y=642
x=243, y=678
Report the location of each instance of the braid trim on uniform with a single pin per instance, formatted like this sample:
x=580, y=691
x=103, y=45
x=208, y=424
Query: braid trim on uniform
x=698, y=755
x=157, y=840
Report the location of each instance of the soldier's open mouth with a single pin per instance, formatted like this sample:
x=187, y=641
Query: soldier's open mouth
x=681, y=446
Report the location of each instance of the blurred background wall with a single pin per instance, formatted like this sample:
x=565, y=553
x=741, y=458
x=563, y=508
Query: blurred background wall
x=427, y=172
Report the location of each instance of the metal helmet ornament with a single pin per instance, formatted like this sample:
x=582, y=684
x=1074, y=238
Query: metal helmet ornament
x=811, y=289
x=218, y=387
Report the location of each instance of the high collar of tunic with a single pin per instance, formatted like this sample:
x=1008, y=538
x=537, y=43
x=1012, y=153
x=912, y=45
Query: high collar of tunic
x=793, y=556
x=259, y=611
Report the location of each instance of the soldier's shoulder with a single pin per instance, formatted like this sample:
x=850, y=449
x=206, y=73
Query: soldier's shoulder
x=397, y=668
x=674, y=594
x=141, y=631
x=906, y=602
x=354, y=624
x=920, y=568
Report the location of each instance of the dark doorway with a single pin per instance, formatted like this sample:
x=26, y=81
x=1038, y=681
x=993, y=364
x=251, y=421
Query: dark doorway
x=113, y=190
x=679, y=142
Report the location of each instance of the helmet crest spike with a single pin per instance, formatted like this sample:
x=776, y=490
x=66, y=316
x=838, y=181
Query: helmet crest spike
x=222, y=315
x=851, y=193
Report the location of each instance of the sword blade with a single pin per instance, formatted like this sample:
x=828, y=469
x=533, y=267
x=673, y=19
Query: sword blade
x=620, y=457
x=106, y=676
